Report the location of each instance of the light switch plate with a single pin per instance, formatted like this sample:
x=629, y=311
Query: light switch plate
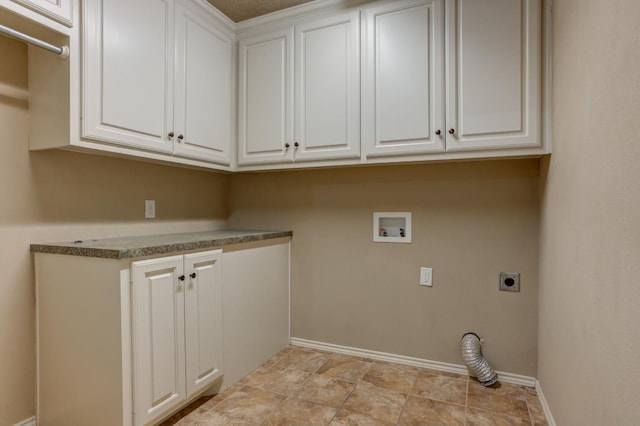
x=426, y=277
x=150, y=209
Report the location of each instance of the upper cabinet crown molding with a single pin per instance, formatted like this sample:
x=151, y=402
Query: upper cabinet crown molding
x=293, y=14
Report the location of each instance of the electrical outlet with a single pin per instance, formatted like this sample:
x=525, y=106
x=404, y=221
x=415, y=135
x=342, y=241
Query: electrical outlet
x=426, y=277
x=150, y=209
x=509, y=281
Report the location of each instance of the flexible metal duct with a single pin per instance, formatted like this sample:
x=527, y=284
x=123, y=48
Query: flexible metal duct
x=472, y=356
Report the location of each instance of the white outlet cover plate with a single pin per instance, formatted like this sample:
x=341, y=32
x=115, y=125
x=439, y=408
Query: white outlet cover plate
x=426, y=277
x=150, y=209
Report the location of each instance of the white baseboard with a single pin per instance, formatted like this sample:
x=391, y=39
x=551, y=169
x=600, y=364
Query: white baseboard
x=545, y=405
x=407, y=360
x=31, y=421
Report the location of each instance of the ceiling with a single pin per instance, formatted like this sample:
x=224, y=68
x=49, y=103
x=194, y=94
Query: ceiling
x=239, y=10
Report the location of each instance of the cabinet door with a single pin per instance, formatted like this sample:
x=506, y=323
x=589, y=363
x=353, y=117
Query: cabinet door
x=403, y=96
x=493, y=61
x=265, y=103
x=158, y=337
x=126, y=81
x=202, y=112
x=203, y=319
x=327, y=108
x=58, y=10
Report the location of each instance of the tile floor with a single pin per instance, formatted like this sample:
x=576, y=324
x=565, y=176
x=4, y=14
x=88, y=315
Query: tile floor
x=300, y=386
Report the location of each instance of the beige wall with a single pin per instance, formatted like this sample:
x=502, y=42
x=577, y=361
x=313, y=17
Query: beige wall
x=589, y=344
x=58, y=195
x=470, y=221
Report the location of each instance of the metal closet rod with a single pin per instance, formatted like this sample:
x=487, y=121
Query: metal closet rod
x=62, y=52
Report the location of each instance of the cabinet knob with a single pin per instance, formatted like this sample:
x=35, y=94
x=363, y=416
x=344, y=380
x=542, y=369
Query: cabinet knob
x=171, y=134
x=438, y=132
x=192, y=275
x=451, y=131
x=181, y=277
x=296, y=144
x=180, y=137
x=286, y=145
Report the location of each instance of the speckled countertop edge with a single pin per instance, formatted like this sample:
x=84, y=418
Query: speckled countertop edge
x=149, y=245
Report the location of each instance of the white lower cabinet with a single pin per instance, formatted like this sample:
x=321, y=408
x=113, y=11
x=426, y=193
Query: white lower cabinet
x=177, y=330
x=126, y=343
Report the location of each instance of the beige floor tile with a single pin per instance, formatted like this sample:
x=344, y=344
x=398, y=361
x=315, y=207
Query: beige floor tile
x=187, y=421
x=376, y=402
x=286, y=381
x=298, y=412
x=325, y=390
x=421, y=411
x=477, y=417
x=347, y=418
x=504, y=398
x=278, y=357
x=390, y=376
x=442, y=387
x=217, y=399
x=347, y=368
x=212, y=418
x=303, y=359
x=250, y=404
x=300, y=386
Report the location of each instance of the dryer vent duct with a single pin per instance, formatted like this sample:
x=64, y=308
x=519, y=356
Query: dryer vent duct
x=472, y=356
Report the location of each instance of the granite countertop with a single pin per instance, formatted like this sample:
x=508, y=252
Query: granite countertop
x=149, y=245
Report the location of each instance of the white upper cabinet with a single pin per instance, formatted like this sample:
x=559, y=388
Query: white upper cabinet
x=451, y=75
x=403, y=95
x=158, y=77
x=493, y=74
x=265, y=98
x=58, y=10
x=299, y=92
x=326, y=83
x=128, y=87
x=203, y=86
x=440, y=79
x=327, y=100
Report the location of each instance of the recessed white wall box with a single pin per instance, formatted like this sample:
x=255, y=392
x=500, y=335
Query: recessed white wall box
x=392, y=227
